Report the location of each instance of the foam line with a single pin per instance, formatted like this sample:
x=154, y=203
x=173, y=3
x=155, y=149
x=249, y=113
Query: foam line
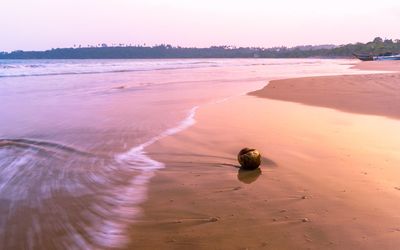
x=112, y=232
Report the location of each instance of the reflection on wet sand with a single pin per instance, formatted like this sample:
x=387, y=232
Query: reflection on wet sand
x=248, y=176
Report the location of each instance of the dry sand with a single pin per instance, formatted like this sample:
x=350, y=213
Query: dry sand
x=329, y=179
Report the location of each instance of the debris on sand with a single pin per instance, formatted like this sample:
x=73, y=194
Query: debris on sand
x=249, y=158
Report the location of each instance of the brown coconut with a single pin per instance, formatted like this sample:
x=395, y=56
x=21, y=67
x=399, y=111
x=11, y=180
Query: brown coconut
x=249, y=158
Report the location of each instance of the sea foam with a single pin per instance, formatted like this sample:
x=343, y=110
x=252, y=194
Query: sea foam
x=112, y=231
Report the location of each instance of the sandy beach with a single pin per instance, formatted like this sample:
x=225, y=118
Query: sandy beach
x=329, y=177
x=134, y=125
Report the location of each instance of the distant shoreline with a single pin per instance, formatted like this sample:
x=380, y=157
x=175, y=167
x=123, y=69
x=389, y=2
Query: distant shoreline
x=102, y=51
x=164, y=52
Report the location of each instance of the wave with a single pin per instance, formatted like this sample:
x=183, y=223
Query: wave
x=29, y=68
x=26, y=69
x=101, y=193
x=43, y=146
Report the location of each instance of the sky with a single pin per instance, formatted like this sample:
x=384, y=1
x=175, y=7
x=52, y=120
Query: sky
x=46, y=24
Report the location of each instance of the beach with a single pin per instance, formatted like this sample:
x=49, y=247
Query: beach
x=122, y=154
x=329, y=177
x=77, y=164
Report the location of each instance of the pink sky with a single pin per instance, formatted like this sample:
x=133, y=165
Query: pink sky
x=44, y=24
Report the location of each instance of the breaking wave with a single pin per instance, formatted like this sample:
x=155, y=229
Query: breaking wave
x=78, y=199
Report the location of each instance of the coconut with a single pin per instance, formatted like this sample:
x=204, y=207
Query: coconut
x=249, y=158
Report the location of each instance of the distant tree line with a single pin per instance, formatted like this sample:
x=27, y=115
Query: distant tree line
x=121, y=51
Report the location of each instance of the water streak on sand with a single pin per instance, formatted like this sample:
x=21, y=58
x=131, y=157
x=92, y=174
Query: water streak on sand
x=112, y=233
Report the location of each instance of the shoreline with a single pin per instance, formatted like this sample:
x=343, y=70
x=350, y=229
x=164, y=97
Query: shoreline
x=201, y=200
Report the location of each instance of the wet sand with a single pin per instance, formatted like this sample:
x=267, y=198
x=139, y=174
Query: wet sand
x=329, y=177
